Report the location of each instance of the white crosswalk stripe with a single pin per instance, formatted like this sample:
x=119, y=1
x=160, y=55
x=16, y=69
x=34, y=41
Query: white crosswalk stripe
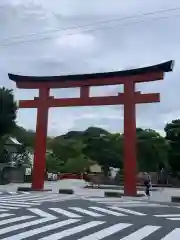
x=107, y=232
x=72, y=231
x=128, y=211
x=93, y=211
x=141, y=233
x=123, y=202
x=45, y=217
x=173, y=217
x=88, y=212
x=46, y=226
x=20, y=200
x=3, y=208
x=108, y=211
x=65, y=213
x=12, y=220
x=6, y=215
x=174, y=235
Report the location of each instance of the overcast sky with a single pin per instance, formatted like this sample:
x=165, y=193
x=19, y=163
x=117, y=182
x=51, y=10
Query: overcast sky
x=120, y=44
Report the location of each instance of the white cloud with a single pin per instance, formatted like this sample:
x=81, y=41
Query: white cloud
x=77, y=41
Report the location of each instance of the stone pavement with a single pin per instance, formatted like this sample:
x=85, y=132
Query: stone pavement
x=161, y=195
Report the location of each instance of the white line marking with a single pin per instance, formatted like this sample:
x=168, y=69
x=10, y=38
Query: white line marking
x=106, y=232
x=141, y=233
x=26, y=224
x=43, y=229
x=66, y=213
x=174, y=235
x=40, y=198
x=18, y=202
x=167, y=215
x=12, y=220
x=5, y=207
x=123, y=202
x=175, y=219
x=135, y=205
x=14, y=205
x=101, y=199
x=52, y=199
x=34, y=197
x=22, y=196
x=26, y=193
x=108, y=211
x=71, y=231
x=128, y=211
x=6, y=215
x=42, y=213
x=90, y=213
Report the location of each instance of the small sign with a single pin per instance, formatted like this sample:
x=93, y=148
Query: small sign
x=28, y=171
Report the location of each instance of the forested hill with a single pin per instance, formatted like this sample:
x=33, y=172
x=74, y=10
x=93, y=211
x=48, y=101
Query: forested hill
x=27, y=137
x=107, y=148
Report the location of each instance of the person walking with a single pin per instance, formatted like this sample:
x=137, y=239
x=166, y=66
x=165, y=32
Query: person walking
x=147, y=183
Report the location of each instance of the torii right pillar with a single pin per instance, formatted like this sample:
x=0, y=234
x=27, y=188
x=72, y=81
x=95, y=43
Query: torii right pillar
x=131, y=98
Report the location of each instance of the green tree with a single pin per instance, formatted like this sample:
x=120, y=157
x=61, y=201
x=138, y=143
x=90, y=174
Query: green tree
x=152, y=150
x=26, y=137
x=172, y=131
x=77, y=165
x=53, y=164
x=65, y=149
x=106, y=150
x=8, y=110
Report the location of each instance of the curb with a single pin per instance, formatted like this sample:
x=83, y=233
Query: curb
x=29, y=189
x=113, y=194
x=66, y=191
x=119, y=194
x=175, y=199
x=118, y=188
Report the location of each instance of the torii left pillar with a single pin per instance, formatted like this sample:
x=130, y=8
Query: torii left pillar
x=130, y=168
x=39, y=167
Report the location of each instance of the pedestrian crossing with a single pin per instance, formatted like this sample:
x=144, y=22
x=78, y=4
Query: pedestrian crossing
x=91, y=211
x=44, y=226
x=94, y=211
x=27, y=200
x=21, y=200
x=13, y=193
x=124, y=202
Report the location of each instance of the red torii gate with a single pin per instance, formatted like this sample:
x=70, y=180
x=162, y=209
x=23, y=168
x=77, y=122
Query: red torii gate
x=129, y=99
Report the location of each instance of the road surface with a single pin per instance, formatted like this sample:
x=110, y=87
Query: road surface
x=48, y=216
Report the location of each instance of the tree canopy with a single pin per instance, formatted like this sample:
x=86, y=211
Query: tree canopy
x=77, y=149
x=7, y=111
x=172, y=131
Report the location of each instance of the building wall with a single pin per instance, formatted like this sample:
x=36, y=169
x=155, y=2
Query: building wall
x=95, y=168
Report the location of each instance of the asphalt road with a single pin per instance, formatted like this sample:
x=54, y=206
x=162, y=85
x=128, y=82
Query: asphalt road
x=51, y=216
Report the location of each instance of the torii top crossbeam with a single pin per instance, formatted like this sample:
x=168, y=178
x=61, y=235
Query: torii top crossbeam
x=94, y=79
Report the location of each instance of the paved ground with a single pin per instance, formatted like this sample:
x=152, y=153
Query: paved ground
x=52, y=216
x=163, y=195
